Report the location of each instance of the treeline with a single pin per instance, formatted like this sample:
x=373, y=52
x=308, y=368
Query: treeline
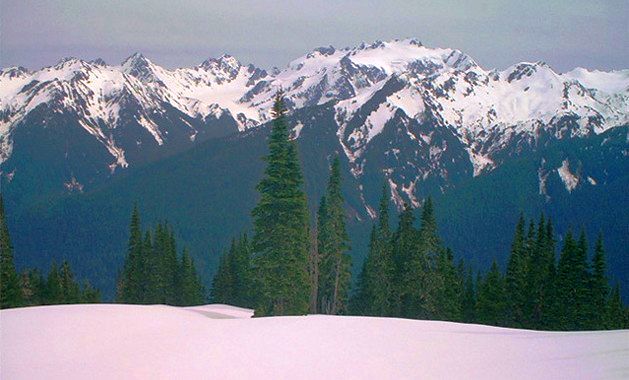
x=31, y=288
x=153, y=273
x=409, y=273
x=292, y=268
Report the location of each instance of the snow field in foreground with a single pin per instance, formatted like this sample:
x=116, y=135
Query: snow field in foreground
x=222, y=342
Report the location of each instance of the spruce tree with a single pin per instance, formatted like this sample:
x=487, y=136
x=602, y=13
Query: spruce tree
x=540, y=276
x=281, y=238
x=89, y=294
x=571, y=286
x=615, y=312
x=581, y=300
x=9, y=281
x=33, y=288
x=492, y=298
x=599, y=288
x=222, y=284
x=375, y=287
x=152, y=276
x=191, y=291
x=130, y=283
x=448, y=288
x=70, y=290
x=410, y=269
x=516, y=278
x=240, y=268
x=334, y=263
x=170, y=267
x=54, y=291
x=469, y=297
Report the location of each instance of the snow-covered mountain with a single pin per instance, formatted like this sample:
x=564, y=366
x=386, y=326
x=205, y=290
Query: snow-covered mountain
x=444, y=112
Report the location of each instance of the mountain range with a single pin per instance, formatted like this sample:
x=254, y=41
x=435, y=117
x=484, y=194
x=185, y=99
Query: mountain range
x=81, y=141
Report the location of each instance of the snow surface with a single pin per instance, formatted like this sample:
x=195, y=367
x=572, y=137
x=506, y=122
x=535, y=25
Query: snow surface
x=163, y=342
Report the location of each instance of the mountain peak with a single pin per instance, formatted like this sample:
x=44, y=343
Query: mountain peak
x=139, y=66
x=135, y=59
x=98, y=62
x=14, y=72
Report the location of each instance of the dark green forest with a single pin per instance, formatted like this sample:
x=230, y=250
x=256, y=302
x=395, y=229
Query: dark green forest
x=291, y=266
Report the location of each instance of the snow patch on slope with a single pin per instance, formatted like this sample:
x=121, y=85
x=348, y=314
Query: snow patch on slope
x=570, y=180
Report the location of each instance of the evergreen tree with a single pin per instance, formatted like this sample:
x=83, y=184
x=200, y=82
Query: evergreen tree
x=334, y=263
x=240, y=264
x=410, y=269
x=281, y=237
x=582, y=284
x=599, y=288
x=540, y=275
x=469, y=297
x=33, y=288
x=54, y=291
x=170, y=267
x=571, y=285
x=615, y=313
x=448, y=288
x=492, y=298
x=191, y=291
x=222, y=284
x=130, y=283
x=516, y=278
x=313, y=269
x=70, y=291
x=9, y=281
x=375, y=282
x=89, y=294
x=152, y=276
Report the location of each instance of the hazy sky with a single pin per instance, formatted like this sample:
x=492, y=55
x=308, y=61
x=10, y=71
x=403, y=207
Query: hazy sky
x=564, y=33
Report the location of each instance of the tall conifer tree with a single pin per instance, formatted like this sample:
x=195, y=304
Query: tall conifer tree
x=281, y=237
x=334, y=263
x=376, y=280
x=492, y=298
x=10, y=295
x=516, y=278
x=599, y=288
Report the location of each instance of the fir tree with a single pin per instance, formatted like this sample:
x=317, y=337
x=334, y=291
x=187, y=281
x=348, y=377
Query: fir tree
x=334, y=263
x=281, y=237
x=9, y=281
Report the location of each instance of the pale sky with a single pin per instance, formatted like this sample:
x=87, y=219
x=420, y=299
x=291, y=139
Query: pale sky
x=563, y=33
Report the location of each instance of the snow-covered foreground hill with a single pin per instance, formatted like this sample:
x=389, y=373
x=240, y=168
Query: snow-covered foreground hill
x=221, y=342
